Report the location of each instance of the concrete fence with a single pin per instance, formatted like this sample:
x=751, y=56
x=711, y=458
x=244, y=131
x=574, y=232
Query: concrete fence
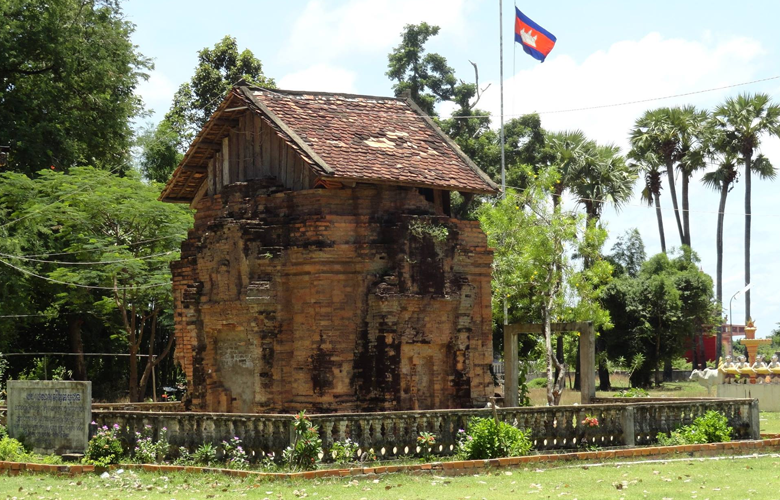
x=391, y=434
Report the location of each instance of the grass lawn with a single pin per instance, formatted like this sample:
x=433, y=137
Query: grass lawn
x=727, y=478
x=669, y=390
x=770, y=422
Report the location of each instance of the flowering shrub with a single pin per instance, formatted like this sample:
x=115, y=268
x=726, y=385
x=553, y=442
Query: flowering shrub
x=105, y=447
x=147, y=450
x=235, y=455
x=268, y=461
x=344, y=451
x=307, y=445
x=590, y=421
x=426, y=441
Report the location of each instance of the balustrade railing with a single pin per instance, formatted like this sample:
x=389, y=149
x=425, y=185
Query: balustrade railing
x=390, y=434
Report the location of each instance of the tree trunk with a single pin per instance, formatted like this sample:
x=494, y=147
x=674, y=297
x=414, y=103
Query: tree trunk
x=673, y=192
x=604, y=383
x=558, y=351
x=686, y=216
x=748, y=159
x=659, y=216
x=724, y=191
x=77, y=347
x=577, y=381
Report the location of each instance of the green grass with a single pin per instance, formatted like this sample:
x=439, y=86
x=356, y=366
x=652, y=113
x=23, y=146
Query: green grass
x=669, y=390
x=688, y=478
x=770, y=422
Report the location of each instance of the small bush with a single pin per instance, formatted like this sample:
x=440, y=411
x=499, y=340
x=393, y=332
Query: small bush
x=344, y=452
x=3, y=432
x=235, y=455
x=206, y=454
x=184, y=457
x=713, y=427
x=484, y=440
x=537, y=383
x=426, y=441
x=147, y=450
x=104, y=448
x=11, y=450
x=307, y=445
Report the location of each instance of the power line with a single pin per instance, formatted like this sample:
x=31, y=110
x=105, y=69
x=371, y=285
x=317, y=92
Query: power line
x=49, y=254
x=635, y=205
x=650, y=99
x=54, y=202
x=20, y=257
x=30, y=273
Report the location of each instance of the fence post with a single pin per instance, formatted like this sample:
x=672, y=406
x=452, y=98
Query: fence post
x=755, y=420
x=629, y=435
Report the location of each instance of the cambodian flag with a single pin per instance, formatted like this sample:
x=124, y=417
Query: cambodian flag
x=537, y=42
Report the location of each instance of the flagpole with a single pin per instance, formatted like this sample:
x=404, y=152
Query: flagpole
x=503, y=170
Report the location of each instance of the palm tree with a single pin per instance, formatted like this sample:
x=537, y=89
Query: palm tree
x=568, y=151
x=650, y=167
x=743, y=121
x=604, y=177
x=673, y=135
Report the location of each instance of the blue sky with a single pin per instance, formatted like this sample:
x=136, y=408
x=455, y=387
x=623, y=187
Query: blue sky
x=607, y=52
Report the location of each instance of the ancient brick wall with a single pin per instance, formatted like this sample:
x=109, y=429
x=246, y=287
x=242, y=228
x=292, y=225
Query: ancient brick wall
x=359, y=299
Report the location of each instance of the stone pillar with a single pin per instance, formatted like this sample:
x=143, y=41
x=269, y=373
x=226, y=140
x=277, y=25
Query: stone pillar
x=587, y=364
x=755, y=421
x=629, y=434
x=510, y=368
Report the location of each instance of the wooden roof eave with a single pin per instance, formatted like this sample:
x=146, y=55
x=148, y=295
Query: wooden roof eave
x=251, y=98
x=387, y=182
x=182, y=167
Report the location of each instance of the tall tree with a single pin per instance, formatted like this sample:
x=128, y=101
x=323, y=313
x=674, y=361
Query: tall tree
x=674, y=135
x=219, y=68
x=426, y=76
x=650, y=167
x=110, y=243
x=68, y=75
x=532, y=270
x=744, y=120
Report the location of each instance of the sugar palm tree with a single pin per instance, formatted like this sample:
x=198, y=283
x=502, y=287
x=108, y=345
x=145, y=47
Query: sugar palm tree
x=650, y=168
x=673, y=135
x=743, y=121
x=569, y=151
x=604, y=177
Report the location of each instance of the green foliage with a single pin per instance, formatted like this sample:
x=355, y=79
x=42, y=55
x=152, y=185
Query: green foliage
x=105, y=447
x=634, y=392
x=426, y=442
x=219, y=68
x=657, y=311
x=148, y=450
x=306, y=447
x=483, y=440
x=713, y=427
x=42, y=370
x=11, y=450
x=423, y=228
x=205, y=454
x=235, y=455
x=537, y=383
x=344, y=452
x=3, y=431
x=68, y=76
x=628, y=254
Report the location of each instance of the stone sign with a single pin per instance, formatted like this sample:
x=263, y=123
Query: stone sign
x=50, y=416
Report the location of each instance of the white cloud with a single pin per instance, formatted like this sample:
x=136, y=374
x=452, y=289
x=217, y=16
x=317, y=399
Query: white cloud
x=320, y=77
x=655, y=66
x=324, y=32
x=627, y=71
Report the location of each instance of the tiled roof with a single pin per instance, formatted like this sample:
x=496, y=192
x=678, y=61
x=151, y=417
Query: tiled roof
x=341, y=137
x=375, y=138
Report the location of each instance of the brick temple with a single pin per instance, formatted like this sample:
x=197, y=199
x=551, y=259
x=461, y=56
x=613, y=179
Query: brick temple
x=325, y=270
